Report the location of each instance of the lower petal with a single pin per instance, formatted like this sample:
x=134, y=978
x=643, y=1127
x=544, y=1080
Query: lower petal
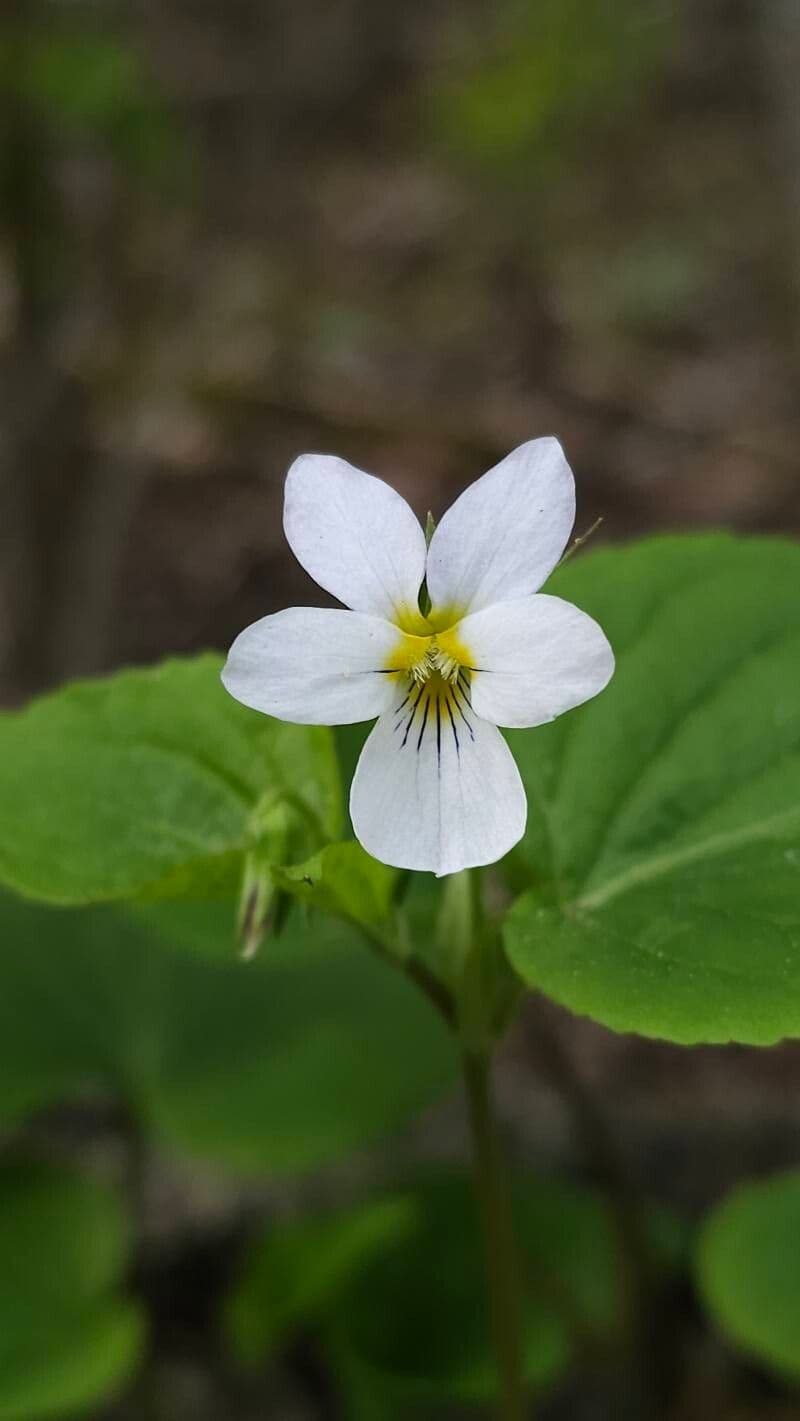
x=314, y=666
x=436, y=788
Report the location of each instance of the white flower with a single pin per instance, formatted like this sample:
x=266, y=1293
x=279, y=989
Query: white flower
x=436, y=786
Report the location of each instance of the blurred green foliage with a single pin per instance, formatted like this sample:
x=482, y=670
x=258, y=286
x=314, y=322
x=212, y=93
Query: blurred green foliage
x=548, y=74
x=280, y=1064
x=66, y=90
x=395, y=1292
x=748, y=1270
x=414, y=1259
x=96, y=88
x=67, y=1338
x=294, y=1273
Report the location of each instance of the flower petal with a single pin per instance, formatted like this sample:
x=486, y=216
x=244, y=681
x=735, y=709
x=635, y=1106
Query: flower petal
x=505, y=534
x=354, y=534
x=436, y=788
x=314, y=666
x=534, y=659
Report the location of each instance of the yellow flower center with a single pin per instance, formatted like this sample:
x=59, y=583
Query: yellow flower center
x=441, y=654
x=435, y=668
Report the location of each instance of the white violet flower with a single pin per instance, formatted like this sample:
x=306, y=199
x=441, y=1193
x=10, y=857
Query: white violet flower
x=436, y=787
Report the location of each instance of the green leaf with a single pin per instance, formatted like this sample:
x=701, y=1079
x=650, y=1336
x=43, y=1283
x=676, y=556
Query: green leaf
x=425, y=1272
x=431, y=1284
x=153, y=781
x=313, y=1050
x=663, y=850
x=72, y=1366
x=80, y=1007
x=66, y=1341
x=205, y=930
x=295, y=1272
x=343, y=880
x=350, y=741
x=747, y=1269
x=418, y=1260
x=48, y=1213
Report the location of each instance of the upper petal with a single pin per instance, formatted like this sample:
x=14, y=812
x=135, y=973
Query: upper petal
x=314, y=666
x=534, y=659
x=355, y=535
x=506, y=532
x=436, y=788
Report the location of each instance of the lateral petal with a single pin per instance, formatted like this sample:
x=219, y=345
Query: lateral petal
x=314, y=666
x=534, y=659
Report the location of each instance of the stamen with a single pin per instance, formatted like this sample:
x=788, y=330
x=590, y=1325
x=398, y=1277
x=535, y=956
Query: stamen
x=445, y=664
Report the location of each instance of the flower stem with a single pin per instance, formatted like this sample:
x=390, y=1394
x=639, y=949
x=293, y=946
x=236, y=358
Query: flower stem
x=501, y=1259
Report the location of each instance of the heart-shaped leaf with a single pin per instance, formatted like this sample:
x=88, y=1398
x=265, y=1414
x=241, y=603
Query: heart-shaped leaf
x=663, y=850
x=152, y=781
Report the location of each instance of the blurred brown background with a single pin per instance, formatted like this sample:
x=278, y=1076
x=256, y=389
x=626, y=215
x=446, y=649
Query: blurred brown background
x=414, y=235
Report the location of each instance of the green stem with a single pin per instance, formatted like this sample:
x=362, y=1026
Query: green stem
x=505, y=1296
